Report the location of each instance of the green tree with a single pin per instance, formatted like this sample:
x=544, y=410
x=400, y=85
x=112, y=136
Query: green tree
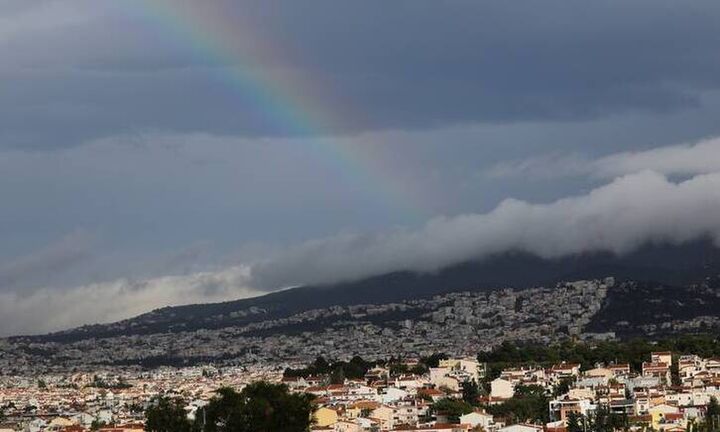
x=712, y=415
x=452, y=409
x=399, y=369
x=259, y=407
x=338, y=376
x=471, y=392
x=530, y=404
x=562, y=387
x=321, y=365
x=167, y=415
x=574, y=422
x=433, y=361
x=97, y=424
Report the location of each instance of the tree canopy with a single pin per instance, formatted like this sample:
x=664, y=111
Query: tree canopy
x=259, y=407
x=452, y=409
x=166, y=415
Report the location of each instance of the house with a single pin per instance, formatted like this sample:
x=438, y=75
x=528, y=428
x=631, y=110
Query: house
x=622, y=406
x=603, y=373
x=558, y=426
x=479, y=418
x=620, y=370
x=561, y=408
x=563, y=371
x=522, y=427
x=75, y=428
x=125, y=428
x=347, y=426
x=501, y=389
x=671, y=421
x=438, y=427
x=660, y=412
x=393, y=394
x=657, y=370
x=661, y=357
x=434, y=394
x=295, y=383
x=408, y=382
x=60, y=423
x=468, y=367
x=409, y=411
x=384, y=417
x=690, y=365
x=359, y=408
x=325, y=417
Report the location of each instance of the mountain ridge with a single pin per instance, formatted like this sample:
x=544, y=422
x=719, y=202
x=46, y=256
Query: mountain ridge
x=686, y=264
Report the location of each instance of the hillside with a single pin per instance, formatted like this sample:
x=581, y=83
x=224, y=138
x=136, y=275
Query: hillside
x=655, y=265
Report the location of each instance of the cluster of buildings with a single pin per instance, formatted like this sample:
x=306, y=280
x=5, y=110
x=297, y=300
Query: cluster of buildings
x=379, y=402
x=460, y=324
x=668, y=393
x=79, y=402
x=385, y=402
x=85, y=384
x=650, y=397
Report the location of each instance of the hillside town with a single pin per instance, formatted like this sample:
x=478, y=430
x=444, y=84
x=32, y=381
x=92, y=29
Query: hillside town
x=669, y=392
x=458, y=323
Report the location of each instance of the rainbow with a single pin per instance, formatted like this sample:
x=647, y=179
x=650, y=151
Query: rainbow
x=291, y=104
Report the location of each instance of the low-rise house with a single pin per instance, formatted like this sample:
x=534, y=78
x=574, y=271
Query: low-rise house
x=479, y=418
x=501, y=389
x=325, y=416
x=561, y=408
x=657, y=370
x=563, y=371
x=438, y=427
x=660, y=412
x=522, y=427
x=661, y=357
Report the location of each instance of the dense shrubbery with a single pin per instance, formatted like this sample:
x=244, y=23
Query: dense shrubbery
x=259, y=407
x=633, y=352
x=530, y=404
x=167, y=415
x=602, y=420
x=452, y=409
x=356, y=368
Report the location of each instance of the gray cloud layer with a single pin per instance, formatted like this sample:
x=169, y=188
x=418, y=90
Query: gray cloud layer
x=81, y=74
x=630, y=211
x=112, y=122
x=617, y=217
x=52, y=309
x=682, y=160
x=42, y=268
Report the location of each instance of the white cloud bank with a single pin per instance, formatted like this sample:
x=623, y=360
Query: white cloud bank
x=53, y=309
x=631, y=210
x=628, y=212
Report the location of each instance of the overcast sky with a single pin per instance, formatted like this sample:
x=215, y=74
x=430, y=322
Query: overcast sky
x=167, y=152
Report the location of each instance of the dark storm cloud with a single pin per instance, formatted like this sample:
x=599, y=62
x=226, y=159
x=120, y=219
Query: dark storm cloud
x=44, y=266
x=406, y=64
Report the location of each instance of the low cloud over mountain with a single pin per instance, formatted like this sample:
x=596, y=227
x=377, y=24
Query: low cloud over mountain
x=630, y=211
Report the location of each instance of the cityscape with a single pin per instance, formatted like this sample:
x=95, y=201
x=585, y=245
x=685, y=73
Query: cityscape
x=669, y=392
x=359, y=216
